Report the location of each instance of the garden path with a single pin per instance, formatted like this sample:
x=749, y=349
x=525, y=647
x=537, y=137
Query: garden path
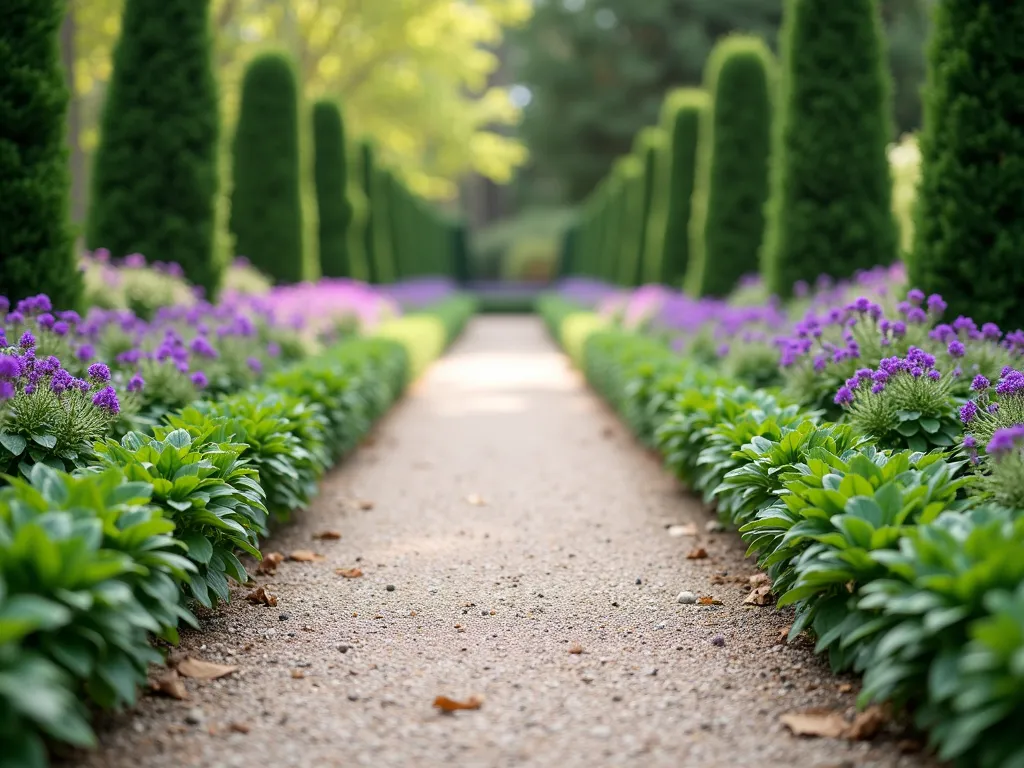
x=517, y=522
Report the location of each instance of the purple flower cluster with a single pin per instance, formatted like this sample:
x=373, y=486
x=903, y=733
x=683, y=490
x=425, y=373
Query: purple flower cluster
x=917, y=363
x=1005, y=441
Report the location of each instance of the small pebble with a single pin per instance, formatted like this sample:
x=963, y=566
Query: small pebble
x=390, y=587
x=639, y=581
x=686, y=598
x=353, y=697
x=718, y=641
x=714, y=526
x=195, y=716
x=343, y=648
x=283, y=617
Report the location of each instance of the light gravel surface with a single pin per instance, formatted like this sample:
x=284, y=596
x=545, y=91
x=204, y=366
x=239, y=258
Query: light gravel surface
x=516, y=521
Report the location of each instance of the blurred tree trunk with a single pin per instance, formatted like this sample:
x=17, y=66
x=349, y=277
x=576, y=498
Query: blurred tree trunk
x=74, y=130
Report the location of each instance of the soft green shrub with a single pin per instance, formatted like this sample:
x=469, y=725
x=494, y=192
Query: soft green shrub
x=650, y=148
x=36, y=253
x=330, y=171
x=727, y=214
x=266, y=201
x=682, y=115
x=830, y=208
x=969, y=230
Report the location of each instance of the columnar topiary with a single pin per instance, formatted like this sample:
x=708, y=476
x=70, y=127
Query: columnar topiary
x=36, y=254
x=681, y=119
x=266, y=201
x=649, y=148
x=631, y=204
x=969, y=230
x=727, y=213
x=154, y=179
x=330, y=170
x=831, y=197
x=367, y=171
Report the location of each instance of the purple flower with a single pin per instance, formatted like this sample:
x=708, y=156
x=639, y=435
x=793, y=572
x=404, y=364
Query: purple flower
x=7, y=390
x=11, y=367
x=934, y=375
x=844, y=396
x=1011, y=383
x=878, y=388
x=936, y=305
x=61, y=381
x=202, y=347
x=968, y=411
x=136, y=383
x=106, y=400
x=970, y=442
x=917, y=372
x=956, y=348
x=27, y=340
x=69, y=316
x=46, y=320
x=61, y=328
x=15, y=318
x=135, y=261
x=199, y=380
x=81, y=385
x=85, y=352
x=1005, y=440
x=980, y=383
x=99, y=373
x=255, y=364
x=916, y=315
x=30, y=389
x=991, y=331
x=915, y=295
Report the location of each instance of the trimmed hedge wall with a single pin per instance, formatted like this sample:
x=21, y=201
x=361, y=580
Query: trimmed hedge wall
x=330, y=171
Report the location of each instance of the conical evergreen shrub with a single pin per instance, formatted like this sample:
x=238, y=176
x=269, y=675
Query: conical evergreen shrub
x=969, y=228
x=649, y=148
x=266, y=201
x=830, y=209
x=36, y=253
x=330, y=171
x=155, y=172
x=727, y=215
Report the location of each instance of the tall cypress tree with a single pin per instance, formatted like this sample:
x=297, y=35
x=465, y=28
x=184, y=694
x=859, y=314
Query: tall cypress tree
x=367, y=171
x=681, y=118
x=266, y=202
x=154, y=181
x=36, y=254
x=649, y=148
x=969, y=232
x=330, y=170
x=831, y=196
x=727, y=218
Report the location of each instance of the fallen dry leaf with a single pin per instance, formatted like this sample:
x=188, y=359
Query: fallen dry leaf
x=170, y=684
x=270, y=562
x=818, y=723
x=697, y=554
x=349, y=573
x=260, y=596
x=305, y=556
x=708, y=600
x=831, y=725
x=204, y=670
x=476, y=500
x=239, y=727
x=758, y=579
x=576, y=648
x=447, y=706
x=760, y=596
x=327, y=535
x=689, y=529
x=784, y=634
x=298, y=674
x=845, y=687
x=365, y=504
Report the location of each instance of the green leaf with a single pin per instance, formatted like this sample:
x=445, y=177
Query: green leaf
x=16, y=444
x=929, y=425
x=200, y=549
x=47, y=441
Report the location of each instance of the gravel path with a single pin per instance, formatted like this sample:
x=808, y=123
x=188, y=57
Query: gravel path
x=503, y=521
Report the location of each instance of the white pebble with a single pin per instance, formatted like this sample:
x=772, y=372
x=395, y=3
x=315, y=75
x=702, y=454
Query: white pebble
x=686, y=598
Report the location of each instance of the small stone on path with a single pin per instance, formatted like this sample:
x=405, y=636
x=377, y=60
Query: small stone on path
x=686, y=598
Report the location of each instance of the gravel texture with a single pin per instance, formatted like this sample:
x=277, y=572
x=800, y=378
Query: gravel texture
x=516, y=546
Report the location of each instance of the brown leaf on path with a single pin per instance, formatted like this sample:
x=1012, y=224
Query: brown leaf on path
x=239, y=727
x=576, y=649
x=708, y=600
x=867, y=724
x=687, y=529
x=447, y=705
x=170, y=684
x=327, y=535
x=758, y=579
x=260, y=596
x=476, y=500
x=270, y=562
x=204, y=670
x=784, y=634
x=816, y=722
x=697, y=554
x=364, y=504
x=760, y=596
x=306, y=556
x=845, y=687
x=349, y=573
x=298, y=674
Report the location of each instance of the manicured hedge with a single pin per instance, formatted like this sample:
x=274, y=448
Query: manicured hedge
x=969, y=228
x=330, y=171
x=154, y=180
x=650, y=149
x=830, y=209
x=36, y=253
x=266, y=201
x=727, y=216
